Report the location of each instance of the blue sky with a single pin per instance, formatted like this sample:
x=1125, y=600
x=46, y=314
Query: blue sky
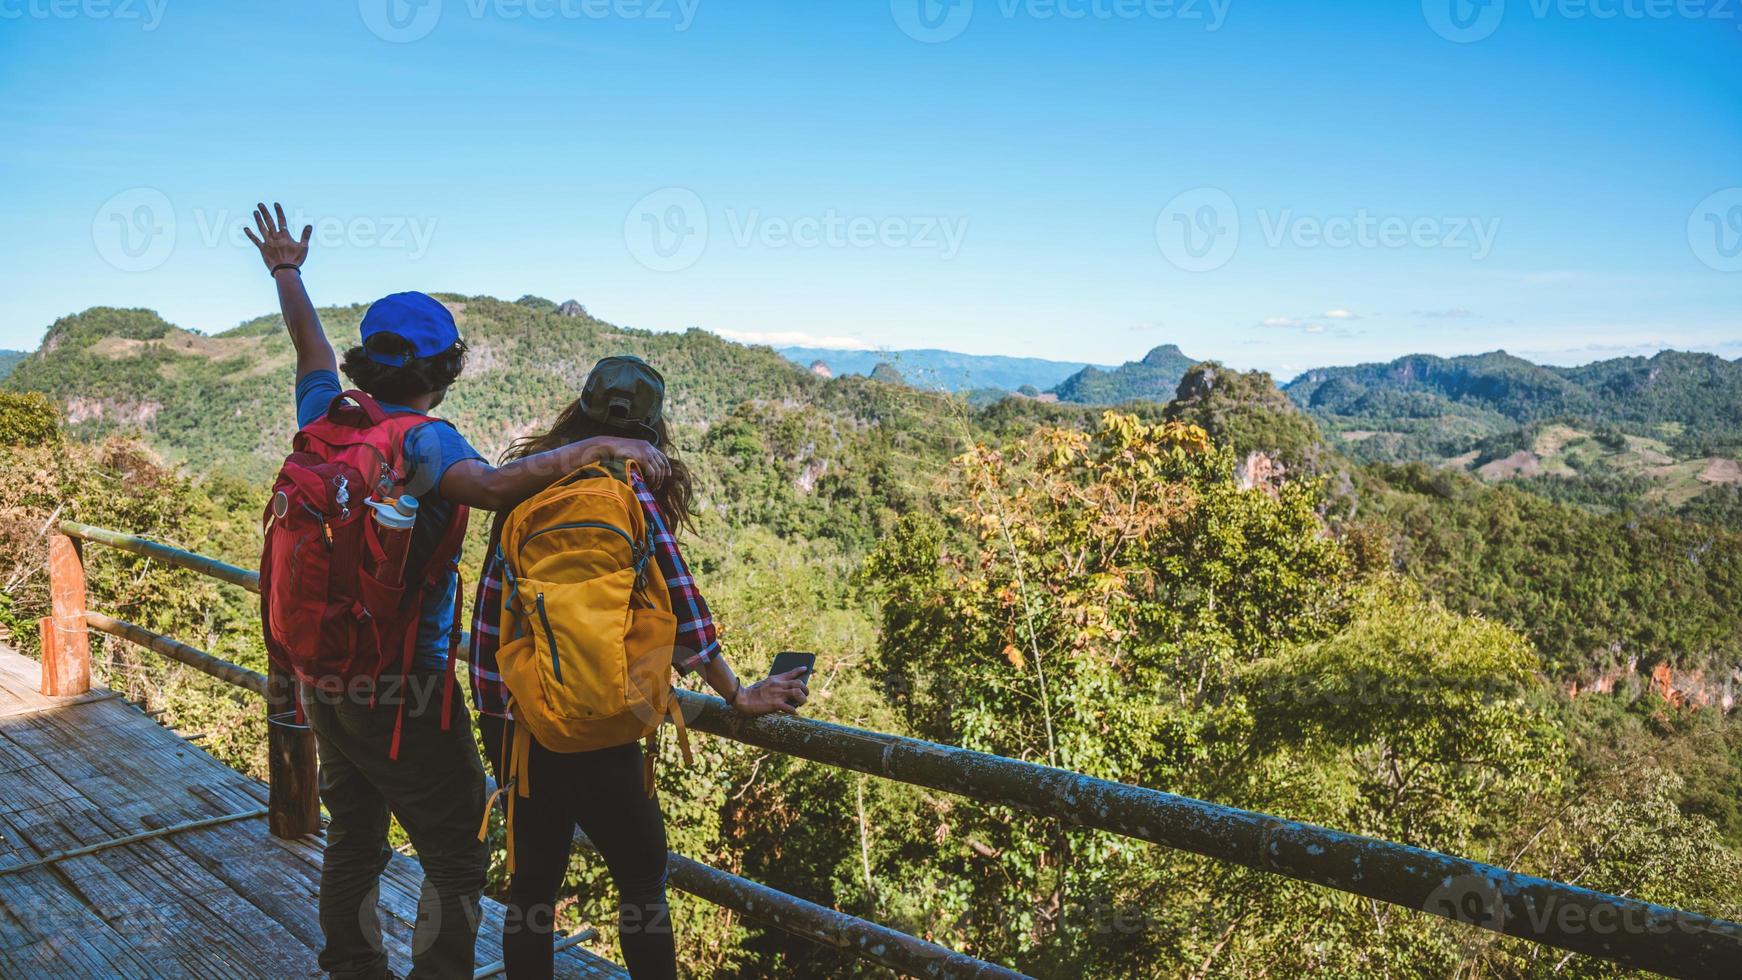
x=1278, y=185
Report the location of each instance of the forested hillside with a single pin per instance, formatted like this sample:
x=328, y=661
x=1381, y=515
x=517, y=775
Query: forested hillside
x=1151, y=379
x=221, y=400
x=1422, y=402
x=1199, y=594
x=1663, y=433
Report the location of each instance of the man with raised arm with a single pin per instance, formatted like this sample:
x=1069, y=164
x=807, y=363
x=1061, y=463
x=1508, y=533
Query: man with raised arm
x=411, y=761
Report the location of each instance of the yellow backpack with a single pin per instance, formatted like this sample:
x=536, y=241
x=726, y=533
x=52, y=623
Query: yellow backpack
x=587, y=624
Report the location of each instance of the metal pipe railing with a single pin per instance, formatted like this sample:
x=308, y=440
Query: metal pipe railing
x=1623, y=930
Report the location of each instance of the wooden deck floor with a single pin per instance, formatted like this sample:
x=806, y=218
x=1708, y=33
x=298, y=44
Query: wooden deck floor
x=227, y=900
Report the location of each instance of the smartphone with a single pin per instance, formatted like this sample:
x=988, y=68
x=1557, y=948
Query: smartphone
x=791, y=660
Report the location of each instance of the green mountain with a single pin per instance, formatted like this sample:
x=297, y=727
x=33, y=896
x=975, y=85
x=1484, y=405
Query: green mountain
x=1152, y=379
x=1694, y=400
x=10, y=359
x=941, y=369
x=224, y=399
x=1663, y=432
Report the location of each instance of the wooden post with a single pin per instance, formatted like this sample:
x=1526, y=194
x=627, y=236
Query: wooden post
x=293, y=772
x=66, y=647
x=294, y=803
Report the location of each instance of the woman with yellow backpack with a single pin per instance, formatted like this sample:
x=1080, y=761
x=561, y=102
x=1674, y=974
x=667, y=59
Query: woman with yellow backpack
x=585, y=607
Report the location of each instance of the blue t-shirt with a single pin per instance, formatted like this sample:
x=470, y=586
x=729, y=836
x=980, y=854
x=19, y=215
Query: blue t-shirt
x=429, y=450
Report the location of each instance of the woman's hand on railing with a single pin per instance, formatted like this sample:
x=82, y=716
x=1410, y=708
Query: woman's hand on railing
x=782, y=692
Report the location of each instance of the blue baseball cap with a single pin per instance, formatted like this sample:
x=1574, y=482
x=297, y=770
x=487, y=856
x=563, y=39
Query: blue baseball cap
x=415, y=318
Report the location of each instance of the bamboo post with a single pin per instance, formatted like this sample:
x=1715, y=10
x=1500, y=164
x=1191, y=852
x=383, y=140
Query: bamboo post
x=294, y=801
x=66, y=645
x=292, y=769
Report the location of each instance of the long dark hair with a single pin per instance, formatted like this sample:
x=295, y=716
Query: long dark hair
x=675, y=495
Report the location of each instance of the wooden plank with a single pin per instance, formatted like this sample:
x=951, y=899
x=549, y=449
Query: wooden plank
x=66, y=664
x=221, y=901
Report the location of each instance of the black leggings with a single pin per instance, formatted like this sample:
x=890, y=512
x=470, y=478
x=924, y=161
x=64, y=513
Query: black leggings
x=603, y=792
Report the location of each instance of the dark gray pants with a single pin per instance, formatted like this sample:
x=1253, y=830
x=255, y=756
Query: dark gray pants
x=436, y=789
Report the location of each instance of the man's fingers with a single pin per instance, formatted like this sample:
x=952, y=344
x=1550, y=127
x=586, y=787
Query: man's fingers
x=791, y=675
x=261, y=223
x=250, y=233
x=307, y=231
x=266, y=216
x=279, y=210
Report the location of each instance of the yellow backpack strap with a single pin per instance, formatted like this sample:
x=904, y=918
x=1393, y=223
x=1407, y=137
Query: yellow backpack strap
x=515, y=744
x=650, y=755
x=484, y=825
x=683, y=734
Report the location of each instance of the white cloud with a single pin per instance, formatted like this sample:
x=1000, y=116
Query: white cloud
x=1305, y=324
x=794, y=338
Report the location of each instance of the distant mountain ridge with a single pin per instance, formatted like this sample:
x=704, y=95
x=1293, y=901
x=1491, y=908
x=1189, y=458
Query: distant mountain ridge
x=10, y=359
x=218, y=396
x=1690, y=398
x=1154, y=378
x=942, y=370
x=223, y=400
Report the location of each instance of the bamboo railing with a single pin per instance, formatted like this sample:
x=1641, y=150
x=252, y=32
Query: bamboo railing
x=1622, y=930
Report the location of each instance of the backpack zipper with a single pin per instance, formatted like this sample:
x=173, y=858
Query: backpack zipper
x=556, y=666
x=565, y=527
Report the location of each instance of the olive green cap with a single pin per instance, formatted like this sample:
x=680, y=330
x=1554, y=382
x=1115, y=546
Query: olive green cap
x=625, y=392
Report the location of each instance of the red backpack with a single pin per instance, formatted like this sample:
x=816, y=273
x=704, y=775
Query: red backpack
x=328, y=615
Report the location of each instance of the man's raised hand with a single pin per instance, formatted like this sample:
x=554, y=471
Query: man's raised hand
x=276, y=246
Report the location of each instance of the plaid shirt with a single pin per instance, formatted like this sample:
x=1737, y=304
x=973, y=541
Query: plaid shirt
x=697, y=640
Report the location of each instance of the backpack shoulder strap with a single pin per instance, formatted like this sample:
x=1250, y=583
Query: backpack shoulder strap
x=339, y=411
